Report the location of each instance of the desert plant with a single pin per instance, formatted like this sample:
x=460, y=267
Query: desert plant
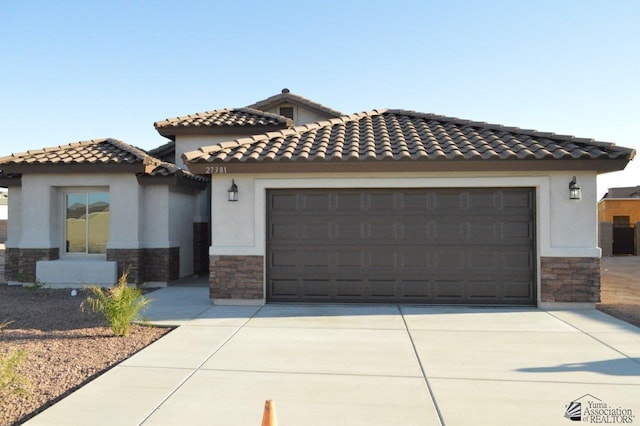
x=120, y=305
x=36, y=285
x=5, y=324
x=11, y=381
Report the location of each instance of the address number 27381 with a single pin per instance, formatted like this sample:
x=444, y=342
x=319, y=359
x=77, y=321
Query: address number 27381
x=216, y=170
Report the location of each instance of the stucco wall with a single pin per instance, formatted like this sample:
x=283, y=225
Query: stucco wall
x=182, y=210
x=42, y=214
x=141, y=217
x=564, y=227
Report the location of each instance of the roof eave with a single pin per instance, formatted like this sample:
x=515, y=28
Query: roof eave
x=172, y=180
x=171, y=132
x=372, y=166
x=8, y=182
x=52, y=168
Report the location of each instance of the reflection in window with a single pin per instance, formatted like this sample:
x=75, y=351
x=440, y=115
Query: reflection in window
x=87, y=222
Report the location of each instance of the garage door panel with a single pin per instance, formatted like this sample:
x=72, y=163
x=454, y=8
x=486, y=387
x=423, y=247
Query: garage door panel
x=415, y=289
x=520, y=290
x=317, y=258
x=316, y=288
x=483, y=289
x=316, y=203
x=283, y=202
x=449, y=289
x=284, y=288
x=383, y=288
x=316, y=231
x=349, y=201
x=450, y=245
x=349, y=287
x=349, y=258
x=284, y=258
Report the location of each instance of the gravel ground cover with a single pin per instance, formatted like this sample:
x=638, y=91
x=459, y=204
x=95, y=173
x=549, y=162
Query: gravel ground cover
x=65, y=346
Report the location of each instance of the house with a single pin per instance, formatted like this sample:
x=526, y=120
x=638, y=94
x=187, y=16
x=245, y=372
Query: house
x=618, y=216
x=287, y=200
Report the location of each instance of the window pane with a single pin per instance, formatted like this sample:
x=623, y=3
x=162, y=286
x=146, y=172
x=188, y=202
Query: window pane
x=98, y=222
x=76, y=223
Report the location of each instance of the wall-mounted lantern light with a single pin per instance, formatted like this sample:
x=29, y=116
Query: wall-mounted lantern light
x=233, y=191
x=575, y=192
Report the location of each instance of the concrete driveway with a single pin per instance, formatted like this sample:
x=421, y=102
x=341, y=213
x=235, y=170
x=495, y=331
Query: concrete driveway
x=363, y=365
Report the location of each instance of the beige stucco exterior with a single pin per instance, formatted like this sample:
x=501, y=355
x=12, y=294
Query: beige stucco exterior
x=564, y=227
x=141, y=217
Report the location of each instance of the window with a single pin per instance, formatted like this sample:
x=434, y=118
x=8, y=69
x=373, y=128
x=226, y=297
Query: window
x=287, y=111
x=87, y=222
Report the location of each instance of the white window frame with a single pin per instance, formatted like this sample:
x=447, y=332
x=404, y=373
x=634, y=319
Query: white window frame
x=74, y=191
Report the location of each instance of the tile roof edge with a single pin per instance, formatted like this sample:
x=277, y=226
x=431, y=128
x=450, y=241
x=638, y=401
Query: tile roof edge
x=510, y=129
x=54, y=148
x=173, y=122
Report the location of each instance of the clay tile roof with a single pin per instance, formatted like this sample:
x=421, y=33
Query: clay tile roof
x=381, y=135
x=224, y=118
x=88, y=152
x=287, y=96
x=106, y=152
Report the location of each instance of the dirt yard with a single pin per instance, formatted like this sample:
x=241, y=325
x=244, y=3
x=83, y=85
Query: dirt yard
x=64, y=346
x=620, y=287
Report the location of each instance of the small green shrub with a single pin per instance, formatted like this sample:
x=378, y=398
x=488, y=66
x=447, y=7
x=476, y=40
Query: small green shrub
x=37, y=285
x=5, y=324
x=11, y=381
x=120, y=305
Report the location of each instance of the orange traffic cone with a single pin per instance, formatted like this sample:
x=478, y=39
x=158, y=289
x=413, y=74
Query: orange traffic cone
x=269, y=416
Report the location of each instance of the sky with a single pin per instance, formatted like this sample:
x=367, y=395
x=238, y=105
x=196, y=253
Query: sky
x=80, y=70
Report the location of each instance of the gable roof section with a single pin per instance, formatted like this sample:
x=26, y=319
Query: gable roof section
x=399, y=140
x=223, y=121
x=97, y=155
x=287, y=97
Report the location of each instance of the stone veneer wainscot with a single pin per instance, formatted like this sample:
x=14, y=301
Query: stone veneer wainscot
x=236, y=277
x=20, y=264
x=570, y=279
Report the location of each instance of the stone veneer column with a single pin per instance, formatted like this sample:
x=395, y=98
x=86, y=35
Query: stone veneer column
x=236, y=277
x=128, y=258
x=570, y=279
x=162, y=264
x=20, y=264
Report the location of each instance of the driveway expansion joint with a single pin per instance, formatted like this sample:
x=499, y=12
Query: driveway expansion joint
x=424, y=373
x=197, y=368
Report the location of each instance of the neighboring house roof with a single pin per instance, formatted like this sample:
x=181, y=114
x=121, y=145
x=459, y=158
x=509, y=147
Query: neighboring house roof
x=287, y=97
x=431, y=142
x=97, y=155
x=623, y=192
x=228, y=120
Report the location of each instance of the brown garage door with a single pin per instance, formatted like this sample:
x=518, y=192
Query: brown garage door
x=449, y=246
